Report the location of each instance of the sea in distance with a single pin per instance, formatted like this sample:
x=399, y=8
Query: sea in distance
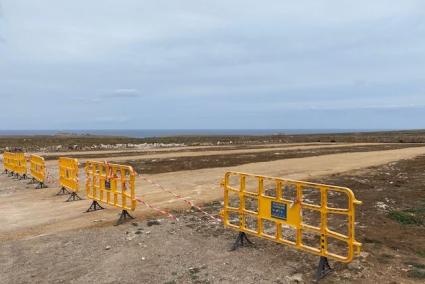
x=144, y=133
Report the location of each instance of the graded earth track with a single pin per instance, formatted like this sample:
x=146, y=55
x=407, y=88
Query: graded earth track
x=185, y=163
x=195, y=250
x=201, y=151
x=155, y=150
x=28, y=213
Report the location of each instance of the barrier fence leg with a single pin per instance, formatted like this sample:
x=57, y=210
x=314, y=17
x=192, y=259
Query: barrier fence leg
x=41, y=185
x=24, y=176
x=94, y=206
x=74, y=197
x=63, y=191
x=323, y=269
x=240, y=241
x=124, y=216
x=11, y=174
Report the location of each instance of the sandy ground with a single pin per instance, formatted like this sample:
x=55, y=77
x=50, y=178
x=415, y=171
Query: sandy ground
x=202, y=185
x=174, y=152
x=35, y=222
x=28, y=212
x=178, y=148
x=167, y=149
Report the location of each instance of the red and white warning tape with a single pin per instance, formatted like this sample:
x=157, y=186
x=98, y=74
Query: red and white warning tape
x=169, y=215
x=50, y=178
x=182, y=198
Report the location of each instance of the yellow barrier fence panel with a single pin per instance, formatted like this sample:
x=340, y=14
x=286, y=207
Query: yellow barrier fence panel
x=69, y=178
x=19, y=165
x=13, y=163
x=38, y=170
x=111, y=184
x=8, y=162
x=314, y=218
x=5, y=163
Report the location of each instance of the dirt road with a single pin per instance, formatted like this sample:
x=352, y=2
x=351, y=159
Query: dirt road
x=207, y=151
x=27, y=212
x=202, y=185
x=46, y=240
x=167, y=149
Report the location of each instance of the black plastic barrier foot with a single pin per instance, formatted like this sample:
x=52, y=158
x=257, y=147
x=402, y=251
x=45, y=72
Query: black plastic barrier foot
x=123, y=216
x=40, y=185
x=240, y=241
x=94, y=206
x=74, y=197
x=323, y=269
x=63, y=191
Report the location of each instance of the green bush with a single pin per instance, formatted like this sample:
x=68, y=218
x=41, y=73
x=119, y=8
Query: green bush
x=405, y=218
x=416, y=273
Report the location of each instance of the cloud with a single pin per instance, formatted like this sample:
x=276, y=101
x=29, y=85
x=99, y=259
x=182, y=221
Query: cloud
x=2, y=39
x=123, y=93
x=205, y=64
x=112, y=119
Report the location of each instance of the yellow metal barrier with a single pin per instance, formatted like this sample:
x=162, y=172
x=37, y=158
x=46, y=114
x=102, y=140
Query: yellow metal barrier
x=8, y=162
x=311, y=217
x=38, y=170
x=18, y=164
x=68, y=178
x=111, y=184
x=15, y=164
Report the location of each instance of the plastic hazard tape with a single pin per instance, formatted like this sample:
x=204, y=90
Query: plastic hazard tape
x=169, y=215
x=190, y=203
x=50, y=178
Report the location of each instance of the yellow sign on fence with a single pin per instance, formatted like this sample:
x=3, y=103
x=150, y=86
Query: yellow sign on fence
x=38, y=169
x=111, y=184
x=69, y=177
x=311, y=217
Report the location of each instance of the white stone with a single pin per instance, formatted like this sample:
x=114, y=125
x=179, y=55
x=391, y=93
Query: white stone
x=296, y=278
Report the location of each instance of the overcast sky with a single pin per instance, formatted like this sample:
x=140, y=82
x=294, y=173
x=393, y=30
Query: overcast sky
x=212, y=64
